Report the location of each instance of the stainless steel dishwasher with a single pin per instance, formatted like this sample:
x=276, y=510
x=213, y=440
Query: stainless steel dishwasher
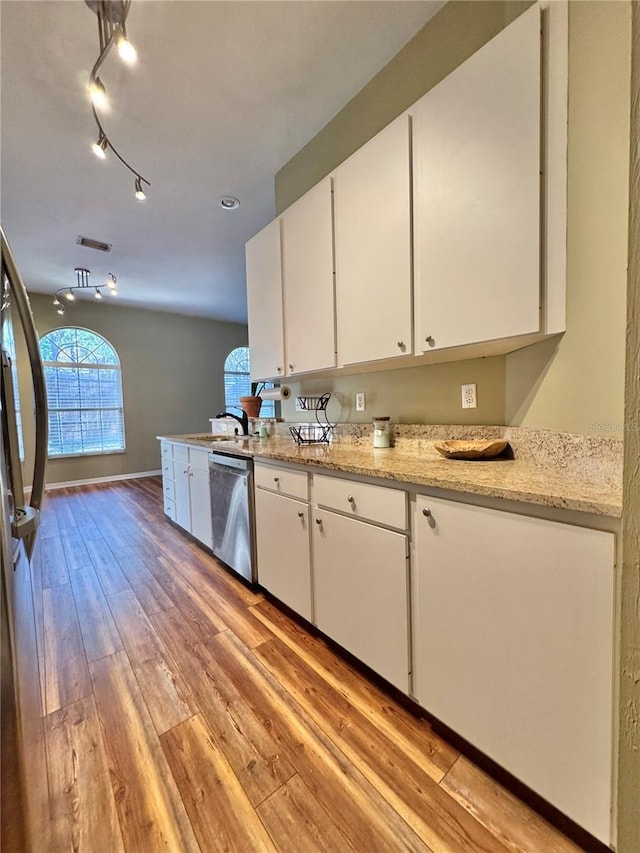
x=231, y=483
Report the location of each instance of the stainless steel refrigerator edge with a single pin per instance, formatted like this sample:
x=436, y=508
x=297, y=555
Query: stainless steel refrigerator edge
x=232, y=510
x=24, y=775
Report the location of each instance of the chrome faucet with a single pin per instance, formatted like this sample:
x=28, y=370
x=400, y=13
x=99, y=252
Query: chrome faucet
x=243, y=421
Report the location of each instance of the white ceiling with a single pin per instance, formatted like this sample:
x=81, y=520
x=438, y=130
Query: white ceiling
x=224, y=93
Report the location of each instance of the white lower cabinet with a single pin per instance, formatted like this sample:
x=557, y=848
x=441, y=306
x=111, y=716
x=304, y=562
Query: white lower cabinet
x=200, y=502
x=513, y=646
x=361, y=592
x=187, y=498
x=284, y=562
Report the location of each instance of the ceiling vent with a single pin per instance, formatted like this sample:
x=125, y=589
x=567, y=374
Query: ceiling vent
x=98, y=245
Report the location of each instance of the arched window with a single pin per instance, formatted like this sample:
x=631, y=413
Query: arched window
x=84, y=391
x=237, y=382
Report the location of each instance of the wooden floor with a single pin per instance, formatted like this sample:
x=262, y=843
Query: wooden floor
x=185, y=712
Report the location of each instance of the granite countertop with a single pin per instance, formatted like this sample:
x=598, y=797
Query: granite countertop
x=511, y=479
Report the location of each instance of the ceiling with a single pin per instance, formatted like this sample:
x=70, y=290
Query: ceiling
x=222, y=96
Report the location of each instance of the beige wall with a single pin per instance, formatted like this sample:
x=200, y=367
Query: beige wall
x=411, y=395
x=562, y=384
x=577, y=383
x=628, y=752
x=172, y=377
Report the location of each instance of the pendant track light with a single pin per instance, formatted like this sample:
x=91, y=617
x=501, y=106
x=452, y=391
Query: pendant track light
x=112, y=16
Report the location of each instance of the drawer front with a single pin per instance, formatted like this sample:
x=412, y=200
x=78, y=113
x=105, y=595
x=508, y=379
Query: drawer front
x=199, y=458
x=170, y=508
x=362, y=500
x=181, y=452
x=166, y=449
x=284, y=481
x=169, y=489
x=167, y=468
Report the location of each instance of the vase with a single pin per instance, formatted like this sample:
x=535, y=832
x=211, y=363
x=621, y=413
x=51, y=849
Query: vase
x=251, y=405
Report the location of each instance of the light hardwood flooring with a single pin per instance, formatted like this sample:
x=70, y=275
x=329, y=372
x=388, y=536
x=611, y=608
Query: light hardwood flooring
x=186, y=712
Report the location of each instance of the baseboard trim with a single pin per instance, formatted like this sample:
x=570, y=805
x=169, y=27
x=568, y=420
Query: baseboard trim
x=112, y=479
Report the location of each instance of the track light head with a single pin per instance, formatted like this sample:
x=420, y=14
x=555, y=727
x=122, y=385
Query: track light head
x=126, y=50
x=70, y=296
x=97, y=294
x=99, y=148
x=139, y=192
x=98, y=94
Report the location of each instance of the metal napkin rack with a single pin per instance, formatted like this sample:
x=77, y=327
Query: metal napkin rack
x=318, y=433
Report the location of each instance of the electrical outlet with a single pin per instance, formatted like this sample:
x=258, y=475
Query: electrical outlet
x=469, y=396
x=360, y=402
x=299, y=406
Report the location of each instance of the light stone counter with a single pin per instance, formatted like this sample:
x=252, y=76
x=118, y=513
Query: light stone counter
x=587, y=478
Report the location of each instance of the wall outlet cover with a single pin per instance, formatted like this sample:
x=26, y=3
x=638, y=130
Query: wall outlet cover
x=469, y=396
x=360, y=402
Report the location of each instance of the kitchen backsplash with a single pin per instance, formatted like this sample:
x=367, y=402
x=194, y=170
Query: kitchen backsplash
x=589, y=457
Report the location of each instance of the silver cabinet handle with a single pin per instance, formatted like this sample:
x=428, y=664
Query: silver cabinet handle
x=276, y=479
x=426, y=512
x=318, y=521
x=429, y=339
x=191, y=473
x=401, y=344
x=279, y=369
x=185, y=471
x=351, y=499
x=301, y=514
x=291, y=367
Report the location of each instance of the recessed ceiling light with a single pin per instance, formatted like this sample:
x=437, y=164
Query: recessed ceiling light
x=228, y=202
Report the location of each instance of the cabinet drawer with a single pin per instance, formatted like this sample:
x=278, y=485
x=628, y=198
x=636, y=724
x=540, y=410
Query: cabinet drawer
x=199, y=458
x=284, y=481
x=362, y=500
x=169, y=489
x=181, y=452
x=170, y=508
x=167, y=468
x=166, y=449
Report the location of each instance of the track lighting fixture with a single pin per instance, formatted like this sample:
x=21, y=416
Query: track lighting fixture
x=112, y=16
x=82, y=284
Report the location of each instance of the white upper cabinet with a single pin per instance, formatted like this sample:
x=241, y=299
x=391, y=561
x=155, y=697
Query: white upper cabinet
x=264, y=298
x=373, y=248
x=308, y=286
x=477, y=162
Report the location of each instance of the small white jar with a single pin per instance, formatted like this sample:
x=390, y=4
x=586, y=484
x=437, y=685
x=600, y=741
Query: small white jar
x=382, y=432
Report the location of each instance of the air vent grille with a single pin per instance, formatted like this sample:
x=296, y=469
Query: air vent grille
x=98, y=245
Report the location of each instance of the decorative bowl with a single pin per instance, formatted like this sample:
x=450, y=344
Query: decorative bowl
x=470, y=449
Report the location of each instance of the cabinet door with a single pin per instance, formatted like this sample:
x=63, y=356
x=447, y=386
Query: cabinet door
x=307, y=272
x=282, y=534
x=200, y=496
x=181, y=491
x=513, y=646
x=264, y=303
x=476, y=149
x=361, y=596
x=372, y=196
